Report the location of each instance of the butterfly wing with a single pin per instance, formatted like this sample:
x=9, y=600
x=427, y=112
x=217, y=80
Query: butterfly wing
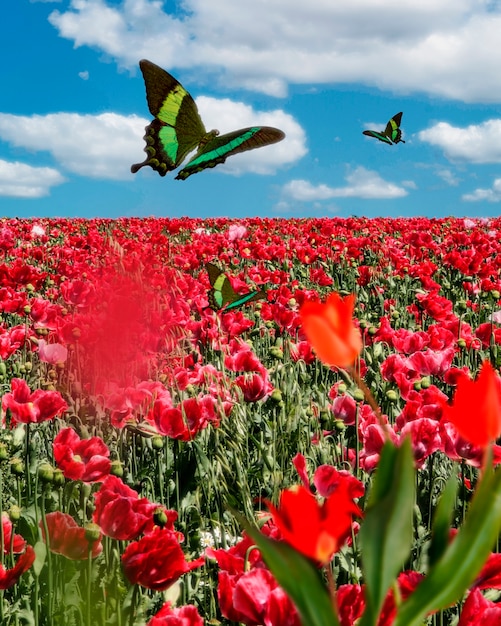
x=391, y=134
x=376, y=135
x=222, y=293
x=393, y=128
x=245, y=298
x=220, y=147
x=177, y=128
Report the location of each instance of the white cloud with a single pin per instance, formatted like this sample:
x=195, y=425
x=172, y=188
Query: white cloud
x=24, y=181
x=227, y=115
x=476, y=143
x=84, y=75
x=105, y=145
x=265, y=45
x=99, y=146
x=488, y=195
x=362, y=183
x=448, y=177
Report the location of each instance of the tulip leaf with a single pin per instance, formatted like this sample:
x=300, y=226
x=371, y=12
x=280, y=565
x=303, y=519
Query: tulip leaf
x=297, y=576
x=463, y=558
x=386, y=533
x=442, y=521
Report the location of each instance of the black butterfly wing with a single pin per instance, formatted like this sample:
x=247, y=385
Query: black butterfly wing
x=222, y=293
x=220, y=147
x=177, y=128
x=381, y=136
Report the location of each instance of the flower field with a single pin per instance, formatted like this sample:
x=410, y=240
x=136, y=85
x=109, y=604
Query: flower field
x=138, y=422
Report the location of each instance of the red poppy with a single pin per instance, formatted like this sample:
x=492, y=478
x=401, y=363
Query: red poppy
x=479, y=611
x=330, y=330
x=27, y=407
x=476, y=407
x=18, y=543
x=313, y=528
x=180, y=616
x=66, y=537
x=156, y=561
x=9, y=577
x=81, y=459
x=121, y=513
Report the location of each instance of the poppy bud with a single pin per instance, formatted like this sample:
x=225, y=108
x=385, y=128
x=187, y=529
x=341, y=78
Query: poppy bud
x=358, y=395
x=46, y=473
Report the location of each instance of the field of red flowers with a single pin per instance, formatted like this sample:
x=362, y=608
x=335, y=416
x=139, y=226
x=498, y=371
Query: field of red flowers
x=136, y=420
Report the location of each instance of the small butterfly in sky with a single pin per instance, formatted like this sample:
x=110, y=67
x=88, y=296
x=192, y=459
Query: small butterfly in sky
x=391, y=134
x=178, y=129
x=222, y=295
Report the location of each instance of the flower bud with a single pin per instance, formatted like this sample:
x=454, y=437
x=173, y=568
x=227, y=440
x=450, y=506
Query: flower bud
x=45, y=473
x=14, y=513
x=117, y=468
x=358, y=395
x=92, y=532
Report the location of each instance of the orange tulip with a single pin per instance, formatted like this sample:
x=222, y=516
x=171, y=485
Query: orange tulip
x=476, y=407
x=330, y=330
x=315, y=529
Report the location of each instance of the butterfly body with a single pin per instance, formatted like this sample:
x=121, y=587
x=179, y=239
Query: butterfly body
x=178, y=129
x=223, y=296
x=391, y=134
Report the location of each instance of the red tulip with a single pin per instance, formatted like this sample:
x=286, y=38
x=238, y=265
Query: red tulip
x=476, y=407
x=330, y=330
x=313, y=528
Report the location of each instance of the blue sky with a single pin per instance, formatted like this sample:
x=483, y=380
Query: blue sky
x=73, y=107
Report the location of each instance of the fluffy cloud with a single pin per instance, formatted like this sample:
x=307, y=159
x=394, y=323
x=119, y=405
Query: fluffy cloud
x=477, y=143
x=265, y=45
x=99, y=146
x=487, y=195
x=24, y=181
x=105, y=145
x=362, y=183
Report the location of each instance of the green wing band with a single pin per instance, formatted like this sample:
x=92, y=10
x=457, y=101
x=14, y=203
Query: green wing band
x=218, y=149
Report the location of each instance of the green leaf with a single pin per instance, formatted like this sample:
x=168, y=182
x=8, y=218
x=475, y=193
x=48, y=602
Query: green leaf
x=41, y=553
x=463, y=558
x=297, y=576
x=387, y=529
x=442, y=520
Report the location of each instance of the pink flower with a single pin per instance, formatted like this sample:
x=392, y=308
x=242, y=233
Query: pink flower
x=52, y=352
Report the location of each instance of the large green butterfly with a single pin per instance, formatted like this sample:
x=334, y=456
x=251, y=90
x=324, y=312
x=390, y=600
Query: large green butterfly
x=178, y=129
x=391, y=134
x=222, y=295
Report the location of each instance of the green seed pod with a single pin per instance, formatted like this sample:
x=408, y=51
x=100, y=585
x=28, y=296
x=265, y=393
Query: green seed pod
x=92, y=532
x=358, y=395
x=45, y=473
x=391, y=395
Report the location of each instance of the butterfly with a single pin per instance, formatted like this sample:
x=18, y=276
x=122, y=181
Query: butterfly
x=178, y=129
x=391, y=134
x=222, y=295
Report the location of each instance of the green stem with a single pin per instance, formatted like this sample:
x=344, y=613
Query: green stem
x=49, y=556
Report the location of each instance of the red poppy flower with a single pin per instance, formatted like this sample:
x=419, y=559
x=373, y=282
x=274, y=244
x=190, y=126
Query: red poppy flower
x=27, y=407
x=18, y=543
x=476, y=407
x=81, y=459
x=66, y=537
x=330, y=330
x=313, y=528
x=156, y=561
x=9, y=577
x=122, y=514
x=180, y=616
